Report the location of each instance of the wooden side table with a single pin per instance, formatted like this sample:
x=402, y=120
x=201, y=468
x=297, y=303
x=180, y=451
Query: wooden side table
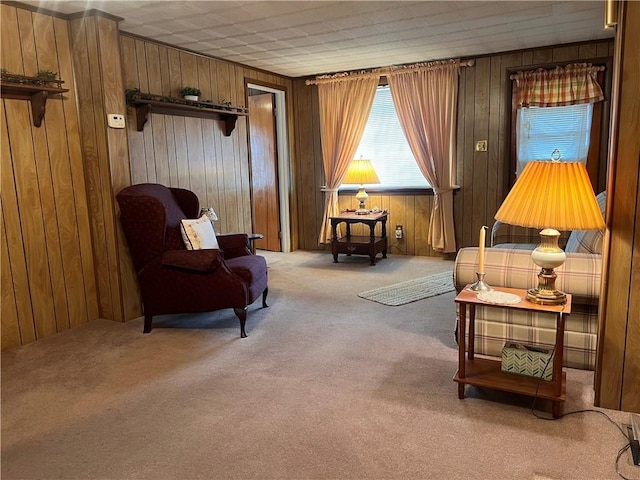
x=483, y=372
x=359, y=244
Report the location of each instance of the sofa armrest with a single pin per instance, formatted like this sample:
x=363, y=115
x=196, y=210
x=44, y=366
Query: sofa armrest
x=234, y=244
x=196, y=260
x=580, y=275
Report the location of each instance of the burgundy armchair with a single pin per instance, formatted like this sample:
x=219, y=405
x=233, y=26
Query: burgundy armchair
x=173, y=279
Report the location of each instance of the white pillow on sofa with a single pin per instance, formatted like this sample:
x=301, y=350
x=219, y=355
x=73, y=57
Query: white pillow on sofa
x=198, y=234
x=588, y=241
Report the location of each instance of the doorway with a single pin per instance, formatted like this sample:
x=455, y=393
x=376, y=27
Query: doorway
x=269, y=164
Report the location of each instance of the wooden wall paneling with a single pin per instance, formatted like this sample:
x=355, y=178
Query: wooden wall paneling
x=215, y=161
x=458, y=195
x=175, y=72
x=122, y=275
x=70, y=286
x=242, y=148
x=189, y=68
x=481, y=132
x=195, y=155
x=421, y=226
x=92, y=114
x=8, y=308
x=147, y=133
x=129, y=61
x=602, y=49
x=136, y=139
x=12, y=234
x=397, y=210
x=618, y=367
x=565, y=54
x=496, y=141
x=587, y=50
x=227, y=157
x=160, y=163
x=204, y=84
x=76, y=164
x=316, y=159
x=469, y=167
x=31, y=222
x=541, y=56
x=304, y=166
x=182, y=158
x=141, y=65
x=30, y=225
x=52, y=250
x=630, y=389
x=163, y=56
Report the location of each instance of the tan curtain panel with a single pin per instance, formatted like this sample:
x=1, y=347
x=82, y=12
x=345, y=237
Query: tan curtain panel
x=571, y=85
x=425, y=100
x=345, y=105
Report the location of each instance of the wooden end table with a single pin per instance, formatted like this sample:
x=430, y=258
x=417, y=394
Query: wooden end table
x=359, y=244
x=484, y=372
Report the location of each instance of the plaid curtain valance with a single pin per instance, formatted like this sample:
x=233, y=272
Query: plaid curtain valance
x=570, y=85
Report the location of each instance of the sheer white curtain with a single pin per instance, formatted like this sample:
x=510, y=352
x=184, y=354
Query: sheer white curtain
x=425, y=98
x=345, y=104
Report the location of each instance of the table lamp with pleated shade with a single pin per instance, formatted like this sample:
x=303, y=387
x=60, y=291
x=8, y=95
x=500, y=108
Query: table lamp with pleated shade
x=554, y=196
x=361, y=172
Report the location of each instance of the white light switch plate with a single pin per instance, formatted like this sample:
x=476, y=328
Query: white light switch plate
x=115, y=120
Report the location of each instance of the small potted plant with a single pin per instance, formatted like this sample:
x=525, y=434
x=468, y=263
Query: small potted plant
x=45, y=76
x=190, y=93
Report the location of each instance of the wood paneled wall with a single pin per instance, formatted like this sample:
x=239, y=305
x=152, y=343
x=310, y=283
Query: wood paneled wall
x=484, y=113
x=98, y=69
x=618, y=366
x=193, y=153
x=484, y=106
x=48, y=276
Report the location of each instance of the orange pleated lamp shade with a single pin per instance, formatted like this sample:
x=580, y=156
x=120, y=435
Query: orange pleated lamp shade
x=361, y=172
x=552, y=194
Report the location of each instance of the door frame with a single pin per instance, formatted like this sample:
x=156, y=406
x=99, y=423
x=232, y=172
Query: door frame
x=284, y=171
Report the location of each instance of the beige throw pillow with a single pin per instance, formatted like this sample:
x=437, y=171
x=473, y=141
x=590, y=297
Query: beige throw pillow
x=198, y=234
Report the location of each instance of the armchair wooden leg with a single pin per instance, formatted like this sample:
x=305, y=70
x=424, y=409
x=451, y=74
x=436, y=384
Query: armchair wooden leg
x=264, y=297
x=147, y=323
x=241, y=313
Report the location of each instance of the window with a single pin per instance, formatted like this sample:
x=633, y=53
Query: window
x=384, y=143
x=541, y=130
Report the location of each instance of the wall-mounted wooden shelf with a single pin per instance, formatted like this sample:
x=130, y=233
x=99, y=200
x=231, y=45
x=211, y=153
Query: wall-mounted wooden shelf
x=185, y=108
x=36, y=94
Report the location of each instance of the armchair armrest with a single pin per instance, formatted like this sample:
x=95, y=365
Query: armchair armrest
x=197, y=260
x=234, y=244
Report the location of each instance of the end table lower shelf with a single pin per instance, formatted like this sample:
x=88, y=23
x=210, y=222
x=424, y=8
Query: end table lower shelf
x=482, y=372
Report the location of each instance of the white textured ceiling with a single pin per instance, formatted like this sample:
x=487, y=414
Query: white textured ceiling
x=298, y=38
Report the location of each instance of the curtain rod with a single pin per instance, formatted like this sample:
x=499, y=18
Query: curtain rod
x=377, y=72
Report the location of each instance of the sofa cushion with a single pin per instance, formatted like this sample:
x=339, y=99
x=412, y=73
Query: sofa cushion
x=588, y=241
x=198, y=234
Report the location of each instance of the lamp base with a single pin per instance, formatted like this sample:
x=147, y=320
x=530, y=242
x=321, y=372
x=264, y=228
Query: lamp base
x=362, y=211
x=547, y=256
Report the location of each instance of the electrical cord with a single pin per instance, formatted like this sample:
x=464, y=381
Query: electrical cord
x=587, y=410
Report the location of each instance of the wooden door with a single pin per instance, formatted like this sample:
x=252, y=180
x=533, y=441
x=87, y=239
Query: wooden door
x=264, y=171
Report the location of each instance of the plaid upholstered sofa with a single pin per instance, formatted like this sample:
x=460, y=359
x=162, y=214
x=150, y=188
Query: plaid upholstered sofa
x=508, y=264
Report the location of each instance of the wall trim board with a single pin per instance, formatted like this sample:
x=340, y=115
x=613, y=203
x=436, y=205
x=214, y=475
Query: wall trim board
x=64, y=16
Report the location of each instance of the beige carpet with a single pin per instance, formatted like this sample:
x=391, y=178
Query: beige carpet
x=326, y=386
